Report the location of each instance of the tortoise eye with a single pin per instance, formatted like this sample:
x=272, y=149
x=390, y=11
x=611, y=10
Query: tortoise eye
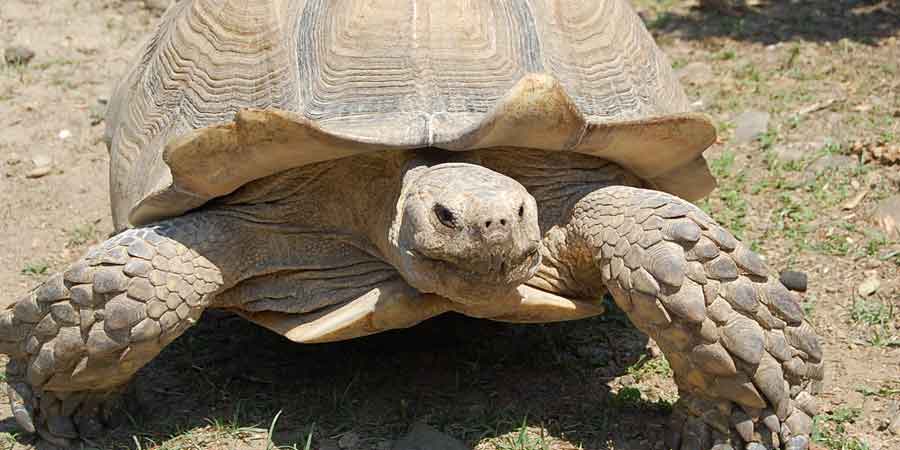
x=445, y=215
x=521, y=210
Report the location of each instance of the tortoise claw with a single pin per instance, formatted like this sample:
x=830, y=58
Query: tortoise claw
x=63, y=419
x=21, y=410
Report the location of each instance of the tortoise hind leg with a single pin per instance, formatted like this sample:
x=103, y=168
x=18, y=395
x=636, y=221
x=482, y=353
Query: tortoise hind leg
x=75, y=341
x=745, y=360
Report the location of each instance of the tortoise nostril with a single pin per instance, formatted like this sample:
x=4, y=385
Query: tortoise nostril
x=487, y=224
x=502, y=221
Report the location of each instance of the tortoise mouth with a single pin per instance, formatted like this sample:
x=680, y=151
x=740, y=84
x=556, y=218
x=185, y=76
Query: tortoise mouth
x=474, y=283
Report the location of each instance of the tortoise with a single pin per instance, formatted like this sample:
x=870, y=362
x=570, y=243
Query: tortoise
x=333, y=169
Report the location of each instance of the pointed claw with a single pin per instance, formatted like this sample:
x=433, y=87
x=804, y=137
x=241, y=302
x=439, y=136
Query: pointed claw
x=23, y=417
x=20, y=409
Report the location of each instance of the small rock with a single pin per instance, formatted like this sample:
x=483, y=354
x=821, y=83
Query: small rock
x=887, y=216
x=41, y=161
x=626, y=380
x=696, y=73
x=423, y=437
x=13, y=159
x=38, y=172
x=18, y=54
x=65, y=134
x=793, y=280
x=869, y=287
x=348, y=440
x=750, y=125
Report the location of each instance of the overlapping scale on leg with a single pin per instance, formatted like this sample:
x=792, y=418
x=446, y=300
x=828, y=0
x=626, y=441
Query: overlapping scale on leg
x=746, y=362
x=76, y=340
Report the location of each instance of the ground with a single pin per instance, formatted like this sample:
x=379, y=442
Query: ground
x=825, y=70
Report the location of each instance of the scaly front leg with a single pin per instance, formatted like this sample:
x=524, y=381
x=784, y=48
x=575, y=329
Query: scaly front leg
x=75, y=341
x=745, y=360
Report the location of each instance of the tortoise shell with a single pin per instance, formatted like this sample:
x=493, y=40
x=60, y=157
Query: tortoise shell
x=230, y=91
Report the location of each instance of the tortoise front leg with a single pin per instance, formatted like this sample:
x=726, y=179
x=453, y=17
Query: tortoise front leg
x=75, y=341
x=745, y=360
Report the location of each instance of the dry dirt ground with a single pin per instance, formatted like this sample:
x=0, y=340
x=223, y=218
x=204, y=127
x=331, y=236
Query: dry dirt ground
x=825, y=70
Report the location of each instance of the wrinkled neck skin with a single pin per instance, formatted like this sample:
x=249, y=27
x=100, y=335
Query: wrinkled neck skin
x=460, y=230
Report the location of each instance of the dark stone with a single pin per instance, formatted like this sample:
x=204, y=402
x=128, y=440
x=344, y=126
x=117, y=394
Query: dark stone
x=794, y=280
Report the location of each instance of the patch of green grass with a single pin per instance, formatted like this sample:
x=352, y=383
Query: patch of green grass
x=678, y=63
x=735, y=211
x=886, y=390
x=722, y=166
x=809, y=305
x=749, y=73
x=830, y=188
x=662, y=20
x=646, y=367
x=830, y=430
x=36, y=269
x=627, y=396
x=81, y=234
x=870, y=312
x=9, y=440
x=793, y=54
x=524, y=440
x=835, y=244
x=832, y=148
x=725, y=55
x=877, y=316
x=768, y=139
x=733, y=208
x=231, y=428
x=792, y=219
x=631, y=397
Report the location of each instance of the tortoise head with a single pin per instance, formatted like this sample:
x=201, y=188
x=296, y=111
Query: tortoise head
x=465, y=232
